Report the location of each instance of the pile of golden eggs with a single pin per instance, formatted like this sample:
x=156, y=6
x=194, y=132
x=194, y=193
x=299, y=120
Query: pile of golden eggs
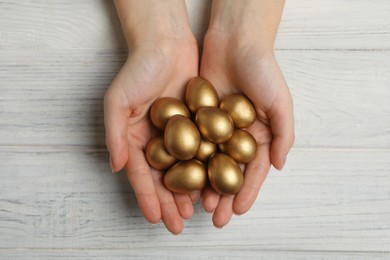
x=203, y=140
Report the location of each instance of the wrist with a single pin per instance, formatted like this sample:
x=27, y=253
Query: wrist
x=249, y=21
x=238, y=41
x=151, y=21
x=136, y=39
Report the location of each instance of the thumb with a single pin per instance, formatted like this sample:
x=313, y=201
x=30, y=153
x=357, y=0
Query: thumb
x=116, y=115
x=282, y=124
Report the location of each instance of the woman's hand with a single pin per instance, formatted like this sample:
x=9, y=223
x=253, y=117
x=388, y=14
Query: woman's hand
x=238, y=58
x=159, y=65
x=149, y=73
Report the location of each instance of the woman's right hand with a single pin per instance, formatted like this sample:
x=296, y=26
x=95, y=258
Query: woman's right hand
x=160, y=64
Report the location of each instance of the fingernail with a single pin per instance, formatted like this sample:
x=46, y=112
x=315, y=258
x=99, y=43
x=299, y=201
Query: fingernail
x=219, y=227
x=111, y=165
x=284, y=162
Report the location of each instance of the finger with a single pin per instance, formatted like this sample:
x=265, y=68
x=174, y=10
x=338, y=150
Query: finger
x=139, y=175
x=195, y=196
x=210, y=199
x=116, y=115
x=169, y=211
x=282, y=123
x=224, y=211
x=184, y=205
x=255, y=173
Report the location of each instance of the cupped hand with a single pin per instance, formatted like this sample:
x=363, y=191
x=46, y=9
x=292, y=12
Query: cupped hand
x=234, y=64
x=156, y=69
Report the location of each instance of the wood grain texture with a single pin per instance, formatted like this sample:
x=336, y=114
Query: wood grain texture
x=37, y=25
x=326, y=200
x=180, y=253
x=43, y=91
x=335, y=24
x=317, y=24
x=56, y=97
x=58, y=198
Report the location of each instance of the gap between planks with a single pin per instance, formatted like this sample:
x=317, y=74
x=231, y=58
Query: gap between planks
x=64, y=249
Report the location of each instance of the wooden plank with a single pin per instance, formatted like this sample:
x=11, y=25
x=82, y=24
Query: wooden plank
x=179, y=253
x=44, y=92
x=317, y=24
x=335, y=24
x=325, y=200
x=341, y=98
x=64, y=24
x=55, y=97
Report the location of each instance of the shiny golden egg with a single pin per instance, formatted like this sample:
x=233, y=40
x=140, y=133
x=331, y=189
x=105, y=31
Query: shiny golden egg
x=225, y=176
x=240, y=109
x=164, y=108
x=241, y=146
x=206, y=149
x=186, y=176
x=214, y=124
x=157, y=155
x=181, y=137
x=200, y=93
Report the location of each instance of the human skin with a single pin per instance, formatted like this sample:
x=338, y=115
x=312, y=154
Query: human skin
x=163, y=57
x=238, y=57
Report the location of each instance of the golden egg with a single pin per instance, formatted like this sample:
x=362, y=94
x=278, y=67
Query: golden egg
x=186, y=176
x=181, y=137
x=206, y=149
x=200, y=93
x=157, y=155
x=240, y=110
x=214, y=124
x=225, y=176
x=164, y=108
x=241, y=146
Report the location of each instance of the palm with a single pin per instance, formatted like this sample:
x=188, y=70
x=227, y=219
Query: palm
x=148, y=74
x=244, y=70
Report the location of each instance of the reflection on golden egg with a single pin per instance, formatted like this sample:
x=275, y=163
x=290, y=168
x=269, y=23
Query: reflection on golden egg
x=214, y=124
x=164, y=108
x=200, y=93
x=241, y=146
x=225, y=176
x=206, y=149
x=240, y=109
x=186, y=176
x=181, y=137
x=157, y=155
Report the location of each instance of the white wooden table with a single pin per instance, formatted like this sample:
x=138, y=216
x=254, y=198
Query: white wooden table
x=58, y=198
